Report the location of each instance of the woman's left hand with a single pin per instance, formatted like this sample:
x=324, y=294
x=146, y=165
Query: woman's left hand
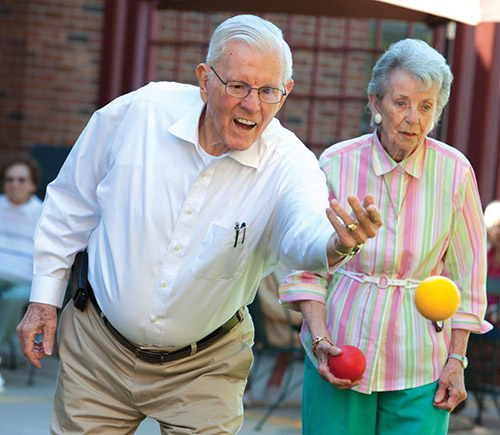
x=451, y=390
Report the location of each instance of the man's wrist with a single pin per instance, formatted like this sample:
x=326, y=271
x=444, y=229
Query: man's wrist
x=342, y=251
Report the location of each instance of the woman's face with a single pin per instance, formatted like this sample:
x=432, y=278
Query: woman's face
x=17, y=184
x=408, y=112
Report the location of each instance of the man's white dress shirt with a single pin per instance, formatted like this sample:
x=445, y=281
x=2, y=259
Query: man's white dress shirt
x=159, y=222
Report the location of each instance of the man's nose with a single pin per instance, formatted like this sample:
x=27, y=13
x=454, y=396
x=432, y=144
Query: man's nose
x=251, y=102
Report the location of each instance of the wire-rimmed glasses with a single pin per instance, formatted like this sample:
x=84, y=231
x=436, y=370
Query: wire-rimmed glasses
x=237, y=89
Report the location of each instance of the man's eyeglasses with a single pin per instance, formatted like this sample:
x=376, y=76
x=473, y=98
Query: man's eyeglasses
x=236, y=89
x=20, y=180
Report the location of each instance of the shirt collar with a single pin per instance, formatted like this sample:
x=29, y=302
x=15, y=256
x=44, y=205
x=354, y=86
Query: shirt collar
x=186, y=128
x=383, y=163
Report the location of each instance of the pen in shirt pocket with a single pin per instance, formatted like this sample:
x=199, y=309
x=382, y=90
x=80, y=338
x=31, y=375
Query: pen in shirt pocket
x=239, y=229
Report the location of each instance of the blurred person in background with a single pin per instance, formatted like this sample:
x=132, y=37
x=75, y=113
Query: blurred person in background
x=20, y=209
x=282, y=327
x=492, y=221
x=427, y=194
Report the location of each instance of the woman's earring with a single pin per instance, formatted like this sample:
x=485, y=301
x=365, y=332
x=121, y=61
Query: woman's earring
x=377, y=118
x=432, y=125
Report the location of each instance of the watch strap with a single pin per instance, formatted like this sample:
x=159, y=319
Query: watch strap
x=463, y=359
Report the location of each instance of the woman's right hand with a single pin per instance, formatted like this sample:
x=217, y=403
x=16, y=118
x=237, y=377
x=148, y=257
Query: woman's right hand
x=315, y=314
x=323, y=352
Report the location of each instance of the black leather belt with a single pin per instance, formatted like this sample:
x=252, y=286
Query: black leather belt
x=160, y=357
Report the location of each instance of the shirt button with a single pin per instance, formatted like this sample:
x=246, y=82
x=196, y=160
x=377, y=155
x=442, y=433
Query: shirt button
x=163, y=284
x=203, y=175
x=154, y=319
x=177, y=247
x=189, y=211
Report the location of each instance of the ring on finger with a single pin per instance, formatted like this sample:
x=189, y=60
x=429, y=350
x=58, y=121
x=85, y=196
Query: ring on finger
x=352, y=227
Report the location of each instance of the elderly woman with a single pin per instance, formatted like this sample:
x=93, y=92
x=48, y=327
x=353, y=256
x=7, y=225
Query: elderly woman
x=20, y=209
x=426, y=192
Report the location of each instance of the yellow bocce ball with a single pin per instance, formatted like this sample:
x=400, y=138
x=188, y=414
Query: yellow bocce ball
x=437, y=298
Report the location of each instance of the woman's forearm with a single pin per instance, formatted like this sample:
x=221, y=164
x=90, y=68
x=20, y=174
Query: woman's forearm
x=315, y=316
x=459, y=341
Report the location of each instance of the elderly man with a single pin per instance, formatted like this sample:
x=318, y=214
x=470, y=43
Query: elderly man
x=184, y=197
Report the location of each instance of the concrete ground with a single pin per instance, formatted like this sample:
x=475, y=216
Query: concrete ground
x=25, y=408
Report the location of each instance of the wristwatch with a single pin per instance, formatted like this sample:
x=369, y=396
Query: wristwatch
x=463, y=359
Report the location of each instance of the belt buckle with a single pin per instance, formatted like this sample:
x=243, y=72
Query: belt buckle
x=385, y=284
x=161, y=356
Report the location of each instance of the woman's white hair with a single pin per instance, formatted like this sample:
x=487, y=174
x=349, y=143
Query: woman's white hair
x=423, y=62
x=257, y=33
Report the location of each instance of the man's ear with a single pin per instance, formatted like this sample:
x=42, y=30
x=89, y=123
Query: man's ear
x=202, y=71
x=288, y=86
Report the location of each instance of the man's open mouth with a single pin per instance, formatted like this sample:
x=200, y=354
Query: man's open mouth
x=245, y=123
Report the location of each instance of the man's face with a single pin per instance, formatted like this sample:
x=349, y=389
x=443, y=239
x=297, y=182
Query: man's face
x=231, y=123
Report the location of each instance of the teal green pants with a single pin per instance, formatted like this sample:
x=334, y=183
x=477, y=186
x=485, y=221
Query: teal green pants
x=328, y=410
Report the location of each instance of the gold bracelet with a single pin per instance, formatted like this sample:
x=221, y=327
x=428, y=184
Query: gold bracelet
x=353, y=251
x=317, y=340
x=340, y=253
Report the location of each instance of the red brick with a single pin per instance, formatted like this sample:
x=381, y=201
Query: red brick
x=49, y=81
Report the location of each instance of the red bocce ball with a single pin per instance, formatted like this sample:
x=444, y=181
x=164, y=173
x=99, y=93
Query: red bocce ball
x=350, y=364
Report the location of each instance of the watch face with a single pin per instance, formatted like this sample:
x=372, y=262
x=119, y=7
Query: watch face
x=465, y=362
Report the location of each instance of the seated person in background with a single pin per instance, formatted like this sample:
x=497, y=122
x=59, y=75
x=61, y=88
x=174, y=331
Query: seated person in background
x=492, y=221
x=19, y=213
x=282, y=328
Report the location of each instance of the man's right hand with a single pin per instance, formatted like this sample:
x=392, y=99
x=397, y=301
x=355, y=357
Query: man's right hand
x=351, y=229
x=39, y=319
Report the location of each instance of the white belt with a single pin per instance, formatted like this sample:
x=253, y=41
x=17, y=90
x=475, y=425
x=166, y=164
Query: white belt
x=382, y=281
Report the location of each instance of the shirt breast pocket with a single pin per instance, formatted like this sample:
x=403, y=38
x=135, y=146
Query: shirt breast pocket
x=218, y=258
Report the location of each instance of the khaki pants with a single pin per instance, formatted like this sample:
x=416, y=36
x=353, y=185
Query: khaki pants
x=102, y=388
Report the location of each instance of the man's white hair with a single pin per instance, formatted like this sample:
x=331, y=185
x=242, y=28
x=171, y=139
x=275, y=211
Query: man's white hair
x=258, y=33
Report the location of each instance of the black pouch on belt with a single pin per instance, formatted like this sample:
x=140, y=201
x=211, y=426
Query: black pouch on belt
x=78, y=281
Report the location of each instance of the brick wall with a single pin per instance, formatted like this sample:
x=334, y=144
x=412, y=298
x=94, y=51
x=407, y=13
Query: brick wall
x=49, y=74
x=332, y=63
